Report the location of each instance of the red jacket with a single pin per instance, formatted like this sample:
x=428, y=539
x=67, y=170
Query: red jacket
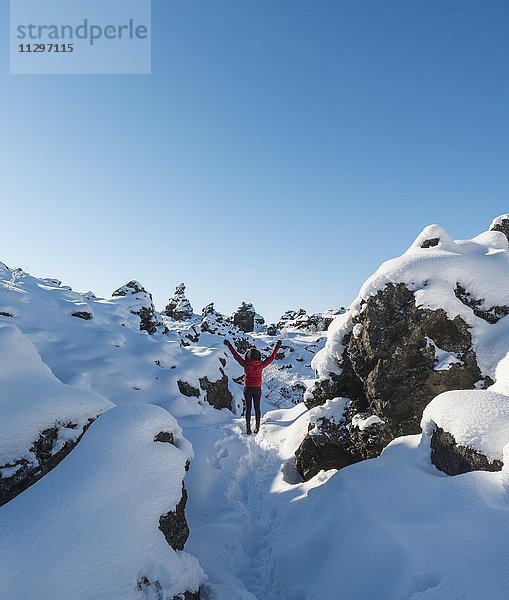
x=253, y=369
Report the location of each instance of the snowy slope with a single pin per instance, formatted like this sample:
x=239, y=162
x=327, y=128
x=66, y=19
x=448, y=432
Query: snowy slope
x=108, y=354
x=33, y=400
x=89, y=529
x=389, y=528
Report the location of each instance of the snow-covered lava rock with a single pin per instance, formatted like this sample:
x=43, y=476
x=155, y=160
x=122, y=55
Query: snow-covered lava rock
x=409, y=336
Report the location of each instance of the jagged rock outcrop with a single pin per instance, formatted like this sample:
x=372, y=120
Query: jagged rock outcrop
x=300, y=319
x=140, y=303
x=408, y=337
x=217, y=393
x=454, y=459
x=246, y=319
x=491, y=314
x=214, y=322
x=174, y=524
x=179, y=307
x=391, y=370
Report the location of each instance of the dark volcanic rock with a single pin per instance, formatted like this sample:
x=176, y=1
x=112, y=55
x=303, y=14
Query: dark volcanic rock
x=179, y=307
x=152, y=590
x=143, y=305
x=187, y=389
x=454, y=459
x=395, y=363
x=28, y=474
x=491, y=315
x=245, y=318
x=174, y=524
x=243, y=344
x=165, y=437
x=213, y=321
x=217, y=393
x=189, y=336
x=82, y=314
x=331, y=449
x=272, y=329
x=334, y=445
x=502, y=224
x=430, y=243
x=299, y=319
x=388, y=371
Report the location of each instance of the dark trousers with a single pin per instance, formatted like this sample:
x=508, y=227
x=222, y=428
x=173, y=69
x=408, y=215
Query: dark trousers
x=252, y=394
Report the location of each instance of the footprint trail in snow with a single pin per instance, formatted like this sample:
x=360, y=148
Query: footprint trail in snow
x=232, y=510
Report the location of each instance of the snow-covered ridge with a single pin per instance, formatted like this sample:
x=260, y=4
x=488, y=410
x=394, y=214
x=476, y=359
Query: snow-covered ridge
x=457, y=276
x=90, y=528
x=32, y=399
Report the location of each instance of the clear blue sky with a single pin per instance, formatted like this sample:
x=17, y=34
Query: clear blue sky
x=278, y=153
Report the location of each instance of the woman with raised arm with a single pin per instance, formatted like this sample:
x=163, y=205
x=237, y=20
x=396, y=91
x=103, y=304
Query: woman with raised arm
x=253, y=369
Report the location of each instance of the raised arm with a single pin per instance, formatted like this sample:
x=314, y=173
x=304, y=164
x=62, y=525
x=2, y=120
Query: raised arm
x=235, y=354
x=272, y=356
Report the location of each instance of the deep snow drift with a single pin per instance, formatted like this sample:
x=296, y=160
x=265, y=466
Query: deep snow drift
x=32, y=400
x=89, y=529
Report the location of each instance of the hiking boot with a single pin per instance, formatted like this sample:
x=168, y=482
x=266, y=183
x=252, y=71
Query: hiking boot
x=248, y=430
x=257, y=428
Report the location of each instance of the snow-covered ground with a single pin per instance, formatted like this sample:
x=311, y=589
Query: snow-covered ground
x=388, y=528
x=89, y=528
x=391, y=528
x=109, y=355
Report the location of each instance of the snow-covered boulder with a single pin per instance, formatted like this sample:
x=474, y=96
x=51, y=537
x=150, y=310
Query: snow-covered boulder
x=214, y=322
x=339, y=437
x=246, y=318
x=41, y=419
x=501, y=223
x=139, y=302
x=467, y=430
x=179, y=307
x=93, y=527
x=301, y=320
x=430, y=321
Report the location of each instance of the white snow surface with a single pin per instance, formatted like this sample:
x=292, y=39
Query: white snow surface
x=478, y=419
x=32, y=399
x=392, y=528
x=363, y=423
x=332, y=410
x=89, y=529
x=480, y=265
x=109, y=355
x=443, y=359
